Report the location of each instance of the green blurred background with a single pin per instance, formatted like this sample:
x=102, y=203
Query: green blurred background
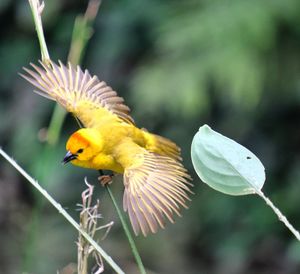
x=232, y=64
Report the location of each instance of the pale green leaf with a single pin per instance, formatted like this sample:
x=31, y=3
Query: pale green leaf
x=225, y=165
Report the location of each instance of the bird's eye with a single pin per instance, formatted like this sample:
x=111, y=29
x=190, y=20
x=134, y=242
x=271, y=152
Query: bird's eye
x=80, y=150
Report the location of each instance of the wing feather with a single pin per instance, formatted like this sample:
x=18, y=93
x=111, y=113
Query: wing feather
x=88, y=98
x=156, y=188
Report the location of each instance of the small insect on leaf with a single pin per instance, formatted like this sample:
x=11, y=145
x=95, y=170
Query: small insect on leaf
x=225, y=165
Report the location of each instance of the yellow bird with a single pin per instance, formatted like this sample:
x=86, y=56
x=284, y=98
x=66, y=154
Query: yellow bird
x=156, y=183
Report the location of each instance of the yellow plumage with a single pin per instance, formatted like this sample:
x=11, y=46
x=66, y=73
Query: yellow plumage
x=156, y=183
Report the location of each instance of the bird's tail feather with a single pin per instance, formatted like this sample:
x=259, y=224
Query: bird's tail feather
x=162, y=146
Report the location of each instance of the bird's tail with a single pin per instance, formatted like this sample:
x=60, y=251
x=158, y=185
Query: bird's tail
x=161, y=146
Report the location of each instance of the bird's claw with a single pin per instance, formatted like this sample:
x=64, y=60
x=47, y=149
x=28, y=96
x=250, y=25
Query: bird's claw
x=105, y=179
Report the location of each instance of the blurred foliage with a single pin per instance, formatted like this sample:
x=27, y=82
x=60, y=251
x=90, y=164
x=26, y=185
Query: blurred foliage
x=233, y=64
x=224, y=44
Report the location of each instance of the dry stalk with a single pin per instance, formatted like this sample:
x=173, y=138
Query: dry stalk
x=89, y=216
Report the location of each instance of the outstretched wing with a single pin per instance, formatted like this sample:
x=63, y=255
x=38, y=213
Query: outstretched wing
x=156, y=187
x=88, y=98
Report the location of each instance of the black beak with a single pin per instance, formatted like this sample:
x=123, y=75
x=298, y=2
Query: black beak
x=69, y=157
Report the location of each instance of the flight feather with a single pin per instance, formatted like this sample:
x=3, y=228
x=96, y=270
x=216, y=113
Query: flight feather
x=88, y=98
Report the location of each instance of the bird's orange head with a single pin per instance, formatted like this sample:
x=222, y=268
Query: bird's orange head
x=83, y=145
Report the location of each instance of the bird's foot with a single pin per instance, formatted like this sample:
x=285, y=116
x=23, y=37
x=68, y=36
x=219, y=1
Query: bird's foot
x=105, y=179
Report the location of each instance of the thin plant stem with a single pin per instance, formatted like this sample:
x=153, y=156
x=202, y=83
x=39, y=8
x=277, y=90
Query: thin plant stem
x=55, y=125
x=37, y=10
x=82, y=32
x=127, y=232
x=281, y=217
x=63, y=212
